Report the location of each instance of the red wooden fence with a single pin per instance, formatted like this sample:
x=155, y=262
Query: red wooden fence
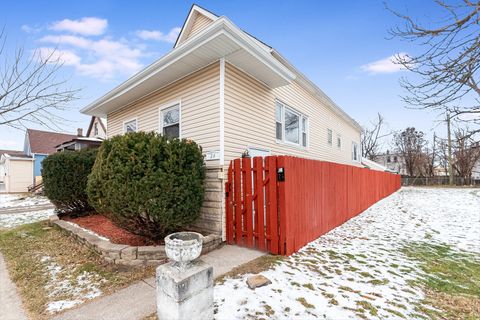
x=314, y=198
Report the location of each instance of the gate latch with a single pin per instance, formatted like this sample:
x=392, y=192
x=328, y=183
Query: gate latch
x=281, y=174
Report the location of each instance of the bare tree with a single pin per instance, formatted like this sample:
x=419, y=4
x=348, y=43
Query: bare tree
x=409, y=144
x=30, y=91
x=430, y=157
x=466, y=153
x=447, y=69
x=371, y=137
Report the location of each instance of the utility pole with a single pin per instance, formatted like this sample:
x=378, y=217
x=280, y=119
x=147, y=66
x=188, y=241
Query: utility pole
x=450, y=164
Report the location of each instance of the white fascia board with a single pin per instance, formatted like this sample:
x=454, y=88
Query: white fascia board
x=220, y=26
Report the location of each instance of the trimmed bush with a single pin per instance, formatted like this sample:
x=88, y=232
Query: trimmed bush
x=148, y=184
x=65, y=176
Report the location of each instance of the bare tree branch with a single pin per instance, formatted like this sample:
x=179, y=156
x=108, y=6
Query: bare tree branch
x=30, y=91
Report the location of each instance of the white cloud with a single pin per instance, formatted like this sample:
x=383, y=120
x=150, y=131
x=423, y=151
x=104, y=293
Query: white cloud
x=386, y=65
x=66, y=57
x=29, y=29
x=171, y=36
x=88, y=26
x=104, y=58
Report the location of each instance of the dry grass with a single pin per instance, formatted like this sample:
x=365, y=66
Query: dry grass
x=23, y=248
x=255, y=266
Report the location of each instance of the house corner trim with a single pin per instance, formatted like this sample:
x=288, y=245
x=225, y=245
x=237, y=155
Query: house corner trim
x=222, y=111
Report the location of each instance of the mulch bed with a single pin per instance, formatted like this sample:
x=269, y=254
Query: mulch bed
x=105, y=227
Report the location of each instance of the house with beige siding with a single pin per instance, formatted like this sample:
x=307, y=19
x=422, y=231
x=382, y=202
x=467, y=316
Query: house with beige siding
x=233, y=95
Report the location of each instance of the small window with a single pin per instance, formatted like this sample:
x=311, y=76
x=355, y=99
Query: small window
x=171, y=122
x=354, y=151
x=329, y=136
x=339, y=141
x=95, y=129
x=279, y=121
x=290, y=125
x=395, y=159
x=304, y=131
x=388, y=159
x=130, y=126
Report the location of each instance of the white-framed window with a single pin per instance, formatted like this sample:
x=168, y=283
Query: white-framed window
x=291, y=126
x=95, y=129
x=130, y=126
x=170, y=120
x=339, y=141
x=329, y=136
x=355, y=156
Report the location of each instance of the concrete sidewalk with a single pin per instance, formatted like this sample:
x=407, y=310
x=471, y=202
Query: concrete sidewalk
x=138, y=300
x=10, y=302
x=22, y=209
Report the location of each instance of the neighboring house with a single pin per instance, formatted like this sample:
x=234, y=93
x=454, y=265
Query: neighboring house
x=16, y=171
x=393, y=161
x=39, y=144
x=97, y=128
x=79, y=142
x=232, y=94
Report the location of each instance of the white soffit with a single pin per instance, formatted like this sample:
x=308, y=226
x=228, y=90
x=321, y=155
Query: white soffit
x=221, y=39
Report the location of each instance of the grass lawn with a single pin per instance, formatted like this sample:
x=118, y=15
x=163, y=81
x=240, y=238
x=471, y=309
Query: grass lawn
x=53, y=272
x=451, y=280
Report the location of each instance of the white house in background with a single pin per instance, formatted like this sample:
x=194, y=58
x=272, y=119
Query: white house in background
x=232, y=94
x=16, y=171
x=393, y=161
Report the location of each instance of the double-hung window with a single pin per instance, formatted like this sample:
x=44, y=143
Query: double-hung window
x=130, y=126
x=329, y=136
x=290, y=126
x=170, y=121
x=355, y=151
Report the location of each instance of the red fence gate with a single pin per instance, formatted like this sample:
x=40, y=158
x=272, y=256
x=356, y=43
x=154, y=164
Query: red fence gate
x=309, y=199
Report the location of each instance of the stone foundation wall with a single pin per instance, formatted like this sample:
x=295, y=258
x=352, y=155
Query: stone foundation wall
x=212, y=212
x=124, y=254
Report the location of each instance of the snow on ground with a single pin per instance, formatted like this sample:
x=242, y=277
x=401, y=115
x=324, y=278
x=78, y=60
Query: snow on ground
x=358, y=269
x=88, y=231
x=18, y=200
x=66, y=288
x=10, y=220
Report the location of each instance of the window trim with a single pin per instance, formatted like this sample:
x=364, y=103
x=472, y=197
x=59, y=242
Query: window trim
x=130, y=120
x=339, y=138
x=301, y=116
x=330, y=135
x=166, y=106
x=358, y=152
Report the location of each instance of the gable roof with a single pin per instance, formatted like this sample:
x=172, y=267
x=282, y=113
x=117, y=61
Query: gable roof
x=220, y=39
x=90, y=126
x=44, y=142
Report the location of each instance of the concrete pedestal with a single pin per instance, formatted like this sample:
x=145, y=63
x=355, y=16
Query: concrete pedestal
x=187, y=294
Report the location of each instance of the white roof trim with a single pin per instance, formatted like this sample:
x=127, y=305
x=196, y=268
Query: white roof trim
x=187, y=26
x=222, y=26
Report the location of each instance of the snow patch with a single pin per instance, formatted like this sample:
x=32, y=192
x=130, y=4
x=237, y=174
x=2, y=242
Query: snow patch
x=88, y=231
x=359, y=268
x=18, y=200
x=65, y=289
x=10, y=220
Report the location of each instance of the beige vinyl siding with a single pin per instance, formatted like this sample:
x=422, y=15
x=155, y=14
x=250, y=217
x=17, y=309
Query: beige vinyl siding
x=200, y=118
x=250, y=120
x=20, y=175
x=200, y=23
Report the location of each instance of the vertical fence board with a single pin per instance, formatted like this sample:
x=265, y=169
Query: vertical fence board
x=316, y=196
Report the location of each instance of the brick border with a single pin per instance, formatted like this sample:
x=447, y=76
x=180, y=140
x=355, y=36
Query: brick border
x=124, y=254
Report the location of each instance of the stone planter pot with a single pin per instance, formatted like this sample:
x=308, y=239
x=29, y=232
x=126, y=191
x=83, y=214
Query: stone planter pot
x=183, y=247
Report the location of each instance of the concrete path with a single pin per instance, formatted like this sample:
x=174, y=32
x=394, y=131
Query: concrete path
x=10, y=302
x=22, y=209
x=138, y=300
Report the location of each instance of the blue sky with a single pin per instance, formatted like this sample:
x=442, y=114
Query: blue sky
x=342, y=46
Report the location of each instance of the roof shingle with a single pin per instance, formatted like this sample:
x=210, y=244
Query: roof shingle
x=45, y=141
